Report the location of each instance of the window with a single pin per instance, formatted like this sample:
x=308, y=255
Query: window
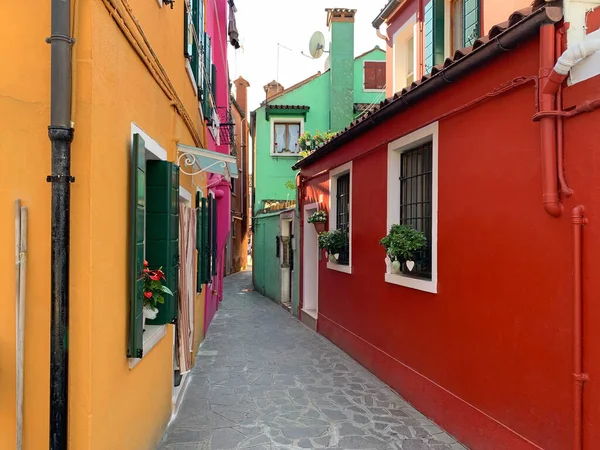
x=464, y=23
x=285, y=134
x=412, y=201
x=374, y=75
x=342, y=198
x=410, y=60
x=404, y=52
x=233, y=181
x=233, y=227
x=153, y=236
x=340, y=212
x=415, y=201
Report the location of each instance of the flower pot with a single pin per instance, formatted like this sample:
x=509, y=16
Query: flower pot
x=148, y=313
x=319, y=226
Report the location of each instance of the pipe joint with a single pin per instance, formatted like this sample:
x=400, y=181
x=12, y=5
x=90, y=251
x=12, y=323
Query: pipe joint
x=581, y=377
x=58, y=133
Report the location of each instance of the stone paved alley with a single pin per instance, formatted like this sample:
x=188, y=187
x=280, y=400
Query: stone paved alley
x=264, y=381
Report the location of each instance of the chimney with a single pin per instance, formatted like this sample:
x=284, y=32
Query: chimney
x=340, y=22
x=272, y=89
x=241, y=93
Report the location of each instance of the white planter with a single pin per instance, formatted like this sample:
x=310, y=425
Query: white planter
x=396, y=266
x=148, y=313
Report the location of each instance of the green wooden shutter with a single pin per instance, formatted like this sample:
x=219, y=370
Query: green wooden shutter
x=428, y=19
x=214, y=238
x=199, y=25
x=199, y=242
x=438, y=31
x=214, y=82
x=162, y=231
x=471, y=22
x=137, y=211
x=205, y=241
x=211, y=232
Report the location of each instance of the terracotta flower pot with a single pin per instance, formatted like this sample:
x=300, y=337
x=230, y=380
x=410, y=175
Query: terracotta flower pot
x=319, y=226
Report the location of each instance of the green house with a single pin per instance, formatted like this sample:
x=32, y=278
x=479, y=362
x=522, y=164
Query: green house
x=326, y=101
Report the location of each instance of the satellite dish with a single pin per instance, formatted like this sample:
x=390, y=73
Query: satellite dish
x=316, y=44
x=327, y=63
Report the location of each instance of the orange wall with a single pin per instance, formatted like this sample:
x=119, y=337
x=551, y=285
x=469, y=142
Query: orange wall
x=111, y=405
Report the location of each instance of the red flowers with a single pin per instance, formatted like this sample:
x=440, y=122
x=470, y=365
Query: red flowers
x=148, y=294
x=145, y=263
x=154, y=290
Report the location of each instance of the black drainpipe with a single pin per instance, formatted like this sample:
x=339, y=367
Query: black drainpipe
x=60, y=133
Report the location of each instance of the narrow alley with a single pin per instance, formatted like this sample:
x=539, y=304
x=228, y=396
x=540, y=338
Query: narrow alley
x=264, y=381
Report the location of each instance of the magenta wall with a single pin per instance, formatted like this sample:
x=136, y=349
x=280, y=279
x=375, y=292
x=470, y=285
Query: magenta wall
x=216, y=26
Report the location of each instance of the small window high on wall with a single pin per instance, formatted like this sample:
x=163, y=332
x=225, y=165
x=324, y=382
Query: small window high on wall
x=285, y=133
x=374, y=75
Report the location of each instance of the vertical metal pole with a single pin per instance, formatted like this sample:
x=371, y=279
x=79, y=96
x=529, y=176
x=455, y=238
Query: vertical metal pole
x=61, y=136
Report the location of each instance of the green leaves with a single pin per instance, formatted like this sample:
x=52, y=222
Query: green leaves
x=333, y=241
x=402, y=241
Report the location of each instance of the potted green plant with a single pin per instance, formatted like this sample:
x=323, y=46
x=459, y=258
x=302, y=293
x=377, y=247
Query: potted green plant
x=154, y=292
x=318, y=219
x=333, y=242
x=400, y=244
x=308, y=142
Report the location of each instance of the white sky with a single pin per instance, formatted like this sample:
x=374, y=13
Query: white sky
x=262, y=24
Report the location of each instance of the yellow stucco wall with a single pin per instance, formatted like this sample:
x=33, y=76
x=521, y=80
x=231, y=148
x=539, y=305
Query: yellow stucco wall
x=111, y=405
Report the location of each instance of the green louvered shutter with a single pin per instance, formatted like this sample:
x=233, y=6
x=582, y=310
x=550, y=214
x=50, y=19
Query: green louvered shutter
x=211, y=232
x=199, y=241
x=188, y=32
x=428, y=19
x=205, y=241
x=137, y=206
x=199, y=25
x=206, y=87
x=213, y=256
x=438, y=31
x=162, y=231
x=471, y=22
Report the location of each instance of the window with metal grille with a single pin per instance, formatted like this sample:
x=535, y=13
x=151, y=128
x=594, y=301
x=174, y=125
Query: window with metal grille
x=343, y=213
x=416, y=202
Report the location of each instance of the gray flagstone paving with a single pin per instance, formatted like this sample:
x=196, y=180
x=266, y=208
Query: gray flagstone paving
x=264, y=381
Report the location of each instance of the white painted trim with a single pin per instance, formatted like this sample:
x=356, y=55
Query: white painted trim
x=152, y=336
x=190, y=72
x=310, y=251
x=363, y=75
x=428, y=133
x=151, y=145
x=402, y=35
x=185, y=194
x=284, y=119
x=333, y=176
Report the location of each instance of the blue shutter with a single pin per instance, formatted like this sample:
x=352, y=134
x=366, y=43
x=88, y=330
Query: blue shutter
x=428, y=36
x=137, y=214
x=438, y=31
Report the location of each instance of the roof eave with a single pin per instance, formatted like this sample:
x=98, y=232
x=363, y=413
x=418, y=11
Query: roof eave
x=500, y=44
x=387, y=12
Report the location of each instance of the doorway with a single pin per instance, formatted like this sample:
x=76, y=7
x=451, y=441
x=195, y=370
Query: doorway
x=310, y=269
x=286, y=258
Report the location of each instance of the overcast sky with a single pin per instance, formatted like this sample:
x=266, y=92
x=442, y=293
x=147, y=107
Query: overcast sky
x=263, y=24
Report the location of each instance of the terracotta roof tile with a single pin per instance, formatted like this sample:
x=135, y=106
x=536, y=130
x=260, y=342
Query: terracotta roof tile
x=515, y=19
x=291, y=88
x=304, y=107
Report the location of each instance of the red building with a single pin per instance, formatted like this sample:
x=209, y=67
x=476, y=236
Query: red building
x=485, y=336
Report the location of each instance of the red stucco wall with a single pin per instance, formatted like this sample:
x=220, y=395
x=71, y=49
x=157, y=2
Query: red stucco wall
x=489, y=356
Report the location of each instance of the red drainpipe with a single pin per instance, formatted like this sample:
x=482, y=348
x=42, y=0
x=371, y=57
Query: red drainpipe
x=560, y=141
x=550, y=198
x=579, y=377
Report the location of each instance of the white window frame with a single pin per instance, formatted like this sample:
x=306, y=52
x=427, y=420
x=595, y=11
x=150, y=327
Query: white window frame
x=426, y=134
x=334, y=174
x=190, y=72
x=401, y=38
x=154, y=333
x=363, y=73
x=284, y=119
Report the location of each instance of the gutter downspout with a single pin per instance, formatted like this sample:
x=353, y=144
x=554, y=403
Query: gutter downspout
x=570, y=58
x=579, y=377
x=60, y=133
x=548, y=133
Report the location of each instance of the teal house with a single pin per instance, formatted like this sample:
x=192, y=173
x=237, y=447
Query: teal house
x=324, y=102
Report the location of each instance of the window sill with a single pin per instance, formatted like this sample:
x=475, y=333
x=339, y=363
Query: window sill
x=286, y=155
x=413, y=283
x=373, y=90
x=339, y=267
x=152, y=336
